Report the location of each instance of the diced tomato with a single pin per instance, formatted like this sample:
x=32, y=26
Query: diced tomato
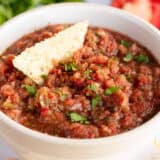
x=69, y=102
x=7, y=90
x=44, y=112
x=98, y=59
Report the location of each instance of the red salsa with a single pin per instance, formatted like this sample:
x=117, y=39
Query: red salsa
x=109, y=86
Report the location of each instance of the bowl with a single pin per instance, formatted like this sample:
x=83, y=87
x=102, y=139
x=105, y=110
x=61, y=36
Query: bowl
x=32, y=145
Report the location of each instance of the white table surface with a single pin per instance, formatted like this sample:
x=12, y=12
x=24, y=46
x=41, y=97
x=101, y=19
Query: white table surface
x=151, y=152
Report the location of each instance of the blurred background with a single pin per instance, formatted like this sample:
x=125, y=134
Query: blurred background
x=146, y=9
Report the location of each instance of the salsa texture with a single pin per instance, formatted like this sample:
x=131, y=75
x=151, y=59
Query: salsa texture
x=109, y=86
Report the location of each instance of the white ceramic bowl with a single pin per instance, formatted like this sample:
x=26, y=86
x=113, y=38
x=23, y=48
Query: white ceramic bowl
x=32, y=145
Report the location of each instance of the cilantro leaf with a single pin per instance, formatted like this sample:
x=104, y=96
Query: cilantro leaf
x=95, y=101
x=111, y=90
x=44, y=76
x=70, y=67
x=76, y=117
x=92, y=87
x=128, y=57
x=142, y=58
x=30, y=89
x=125, y=43
x=87, y=73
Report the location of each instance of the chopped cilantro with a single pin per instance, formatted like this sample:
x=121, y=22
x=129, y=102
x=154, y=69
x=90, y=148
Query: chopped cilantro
x=111, y=90
x=71, y=67
x=128, y=77
x=92, y=87
x=44, y=76
x=87, y=73
x=30, y=89
x=76, y=117
x=142, y=58
x=95, y=101
x=62, y=96
x=128, y=57
x=125, y=43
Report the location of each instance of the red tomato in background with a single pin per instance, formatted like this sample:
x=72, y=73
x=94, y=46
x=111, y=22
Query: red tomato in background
x=138, y=6
x=120, y=3
x=156, y=13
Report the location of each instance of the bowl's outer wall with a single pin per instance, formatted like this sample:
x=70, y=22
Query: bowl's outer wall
x=30, y=145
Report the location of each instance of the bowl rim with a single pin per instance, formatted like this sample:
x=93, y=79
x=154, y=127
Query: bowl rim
x=69, y=141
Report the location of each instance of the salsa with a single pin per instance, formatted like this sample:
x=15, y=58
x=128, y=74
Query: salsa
x=109, y=86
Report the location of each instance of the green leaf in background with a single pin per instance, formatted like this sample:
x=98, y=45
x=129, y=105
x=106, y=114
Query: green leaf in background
x=68, y=0
x=35, y=3
x=10, y=8
x=5, y=13
x=7, y=2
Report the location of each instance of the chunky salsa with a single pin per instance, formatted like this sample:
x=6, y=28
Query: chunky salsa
x=109, y=86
